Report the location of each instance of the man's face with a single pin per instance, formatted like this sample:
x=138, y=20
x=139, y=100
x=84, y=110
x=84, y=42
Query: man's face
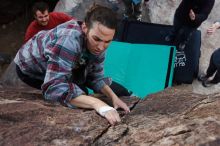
x=98, y=38
x=42, y=18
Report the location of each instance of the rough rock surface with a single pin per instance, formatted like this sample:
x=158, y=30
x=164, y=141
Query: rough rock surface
x=26, y=119
x=9, y=10
x=172, y=117
x=78, y=8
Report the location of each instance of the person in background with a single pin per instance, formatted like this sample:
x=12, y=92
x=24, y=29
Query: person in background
x=188, y=17
x=44, y=20
x=214, y=64
x=132, y=9
x=65, y=60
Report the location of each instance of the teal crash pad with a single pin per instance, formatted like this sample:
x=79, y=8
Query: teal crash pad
x=142, y=68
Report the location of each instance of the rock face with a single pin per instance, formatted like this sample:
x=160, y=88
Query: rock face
x=78, y=8
x=10, y=77
x=26, y=119
x=9, y=10
x=4, y=60
x=172, y=117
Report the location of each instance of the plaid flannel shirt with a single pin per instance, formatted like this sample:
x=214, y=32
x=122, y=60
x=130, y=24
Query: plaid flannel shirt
x=53, y=55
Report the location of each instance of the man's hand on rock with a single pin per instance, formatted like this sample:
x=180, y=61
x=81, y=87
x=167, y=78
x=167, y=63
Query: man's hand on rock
x=118, y=103
x=110, y=114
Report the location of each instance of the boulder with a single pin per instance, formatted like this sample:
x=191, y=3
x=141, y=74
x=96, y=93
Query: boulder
x=26, y=119
x=171, y=117
x=78, y=8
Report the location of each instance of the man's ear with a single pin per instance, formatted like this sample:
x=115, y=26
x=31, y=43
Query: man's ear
x=84, y=28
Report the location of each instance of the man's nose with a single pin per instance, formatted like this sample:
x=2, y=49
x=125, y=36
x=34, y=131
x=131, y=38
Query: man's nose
x=101, y=46
x=44, y=18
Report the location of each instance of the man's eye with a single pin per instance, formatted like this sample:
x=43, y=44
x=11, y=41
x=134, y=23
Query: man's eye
x=97, y=39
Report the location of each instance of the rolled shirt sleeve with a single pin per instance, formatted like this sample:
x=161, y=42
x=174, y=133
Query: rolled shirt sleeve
x=58, y=85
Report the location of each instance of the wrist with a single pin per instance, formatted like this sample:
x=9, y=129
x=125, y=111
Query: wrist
x=98, y=105
x=113, y=97
x=104, y=109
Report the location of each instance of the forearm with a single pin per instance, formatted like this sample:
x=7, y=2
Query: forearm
x=106, y=90
x=117, y=103
x=89, y=102
x=102, y=108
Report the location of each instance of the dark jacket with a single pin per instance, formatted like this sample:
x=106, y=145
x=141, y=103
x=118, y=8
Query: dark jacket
x=201, y=8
